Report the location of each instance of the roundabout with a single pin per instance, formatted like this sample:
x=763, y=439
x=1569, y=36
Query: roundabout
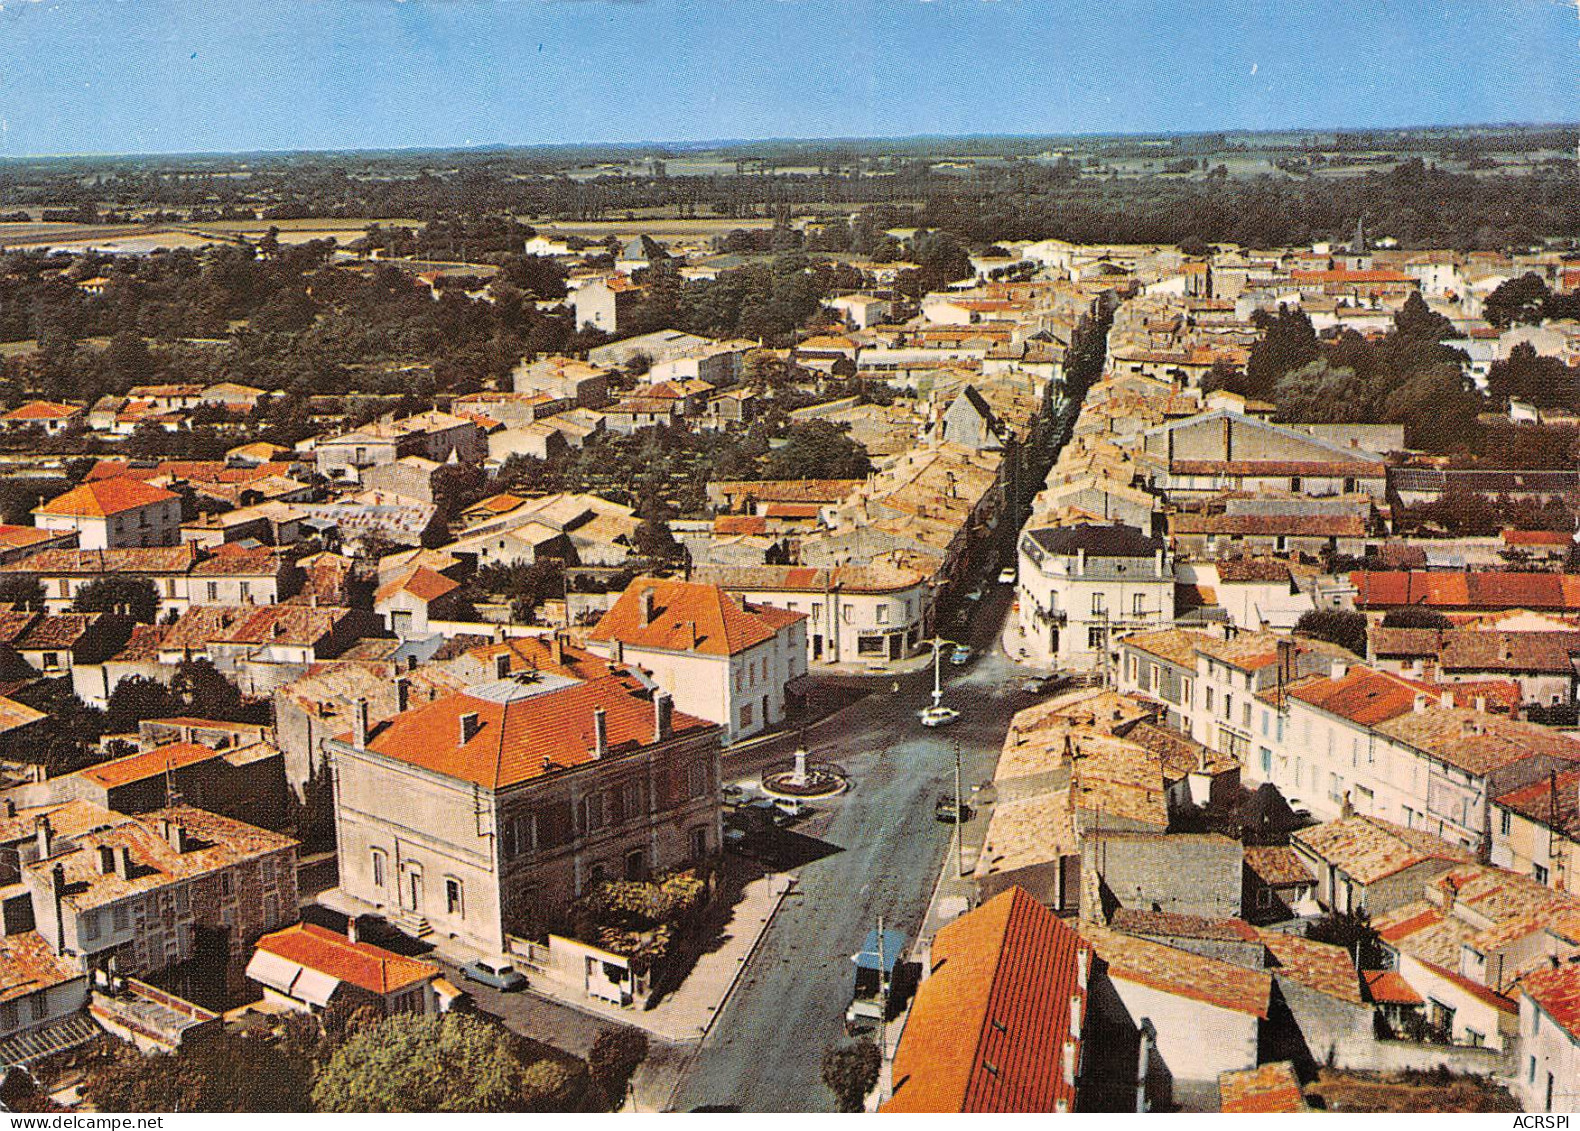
x=804, y=782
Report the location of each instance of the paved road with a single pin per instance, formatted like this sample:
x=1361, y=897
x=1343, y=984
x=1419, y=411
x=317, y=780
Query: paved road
x=884, y=849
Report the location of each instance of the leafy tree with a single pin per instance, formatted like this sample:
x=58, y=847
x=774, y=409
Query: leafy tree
x=1288, y=341
x=1517, y=300
x=135, y=597
x=653, y=539
x=614, y=1056
x=128, y=360
x=1343, y=627
x=1417, y=320
x=203, y=692
x=548, y=1085
x=23, y=590
x=73, y=734
x=454, y=1062
x=136, y=698
x=818, y=450
x=222, y=1074
x=1544, y=381
x=1353, y=931
x=851, y=1071
x=1319, y=393
x=1415, y=617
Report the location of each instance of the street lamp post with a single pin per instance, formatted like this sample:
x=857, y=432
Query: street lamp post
x=938, y=688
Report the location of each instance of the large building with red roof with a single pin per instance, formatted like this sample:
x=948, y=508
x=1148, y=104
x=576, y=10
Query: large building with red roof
x=998, y=1020
x=108, y=514
x=484, y=813
x=723, y=659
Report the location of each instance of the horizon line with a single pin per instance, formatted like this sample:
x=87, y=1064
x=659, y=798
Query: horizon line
x=830, y=139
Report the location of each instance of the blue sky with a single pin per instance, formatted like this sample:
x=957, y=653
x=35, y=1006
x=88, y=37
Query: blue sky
x=137, y=76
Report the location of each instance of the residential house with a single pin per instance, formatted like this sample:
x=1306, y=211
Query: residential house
x=47, y=416
x=482, y=815
x=308, y=968
x=1548, y=1067
x=574, y=383
x=407, y=603
x=605, y=304
x=244, y=782
x=1081, y=587
x=1278, y=885
x=108, y=514
x=879, y=612
x=724, y=660
x=997, y=1024
x=156, y=891
x=1542, y=663
x=1365, y=864
x=1536, y=831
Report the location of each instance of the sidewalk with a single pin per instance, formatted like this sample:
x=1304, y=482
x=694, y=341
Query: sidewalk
x=686, y=1014
x=953, y=893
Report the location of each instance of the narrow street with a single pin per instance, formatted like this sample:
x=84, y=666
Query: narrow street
x=880, y=854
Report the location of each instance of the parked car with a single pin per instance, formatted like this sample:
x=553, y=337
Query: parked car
x=1042, y=684
x=1006, y=576
x=961, y=655
x=945, y=809
x=939, y=716
x=494, y=972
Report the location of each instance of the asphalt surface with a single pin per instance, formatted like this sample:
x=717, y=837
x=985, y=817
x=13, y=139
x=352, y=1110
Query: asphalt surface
x=874, y=851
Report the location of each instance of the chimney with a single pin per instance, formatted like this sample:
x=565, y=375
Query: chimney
x=1346, y=807
x=1481, y=704
x=469, y=727
x=10, y=807
x=1338, y=669
x=663, y=715
x=44, y=834
x=1446, y=700
x=1286, y=661
x=359, y=724
x=351, y=930
x=1080, y=561
x=176, y=835
x=402, y=693
x=123, y=862
x=600, y=733
x=557, y=648
x=411, y=662
x=1421, y=700
x=502, y=665
x=646, y=599
x=106, y=860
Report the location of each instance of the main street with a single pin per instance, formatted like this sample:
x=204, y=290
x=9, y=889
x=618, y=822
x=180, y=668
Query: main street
x=882, y=852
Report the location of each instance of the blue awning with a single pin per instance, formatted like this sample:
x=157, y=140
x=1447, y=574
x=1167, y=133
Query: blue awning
x=893, y=946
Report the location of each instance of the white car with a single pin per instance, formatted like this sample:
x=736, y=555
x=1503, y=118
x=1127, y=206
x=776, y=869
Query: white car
x=938, y=716
x=1006, y=576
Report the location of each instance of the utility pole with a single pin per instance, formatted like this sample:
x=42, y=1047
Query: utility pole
x=883, y=1010
x=960, y=834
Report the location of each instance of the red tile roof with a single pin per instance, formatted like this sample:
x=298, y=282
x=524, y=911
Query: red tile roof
x=1362, y=695
x=148, y=764
x=421, y=582
x=690, y=617
x=361, y=964
x=42, y=410
x=105, y=497
x=1479, y=590
x=1182, y=972
x=1388, y=987
x=524, y=736
x=988, y=1029
x=1557, y=991
x=1265, y=1090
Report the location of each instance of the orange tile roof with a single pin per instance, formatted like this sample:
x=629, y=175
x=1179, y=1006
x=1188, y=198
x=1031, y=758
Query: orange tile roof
x=1388, y=987
x=42, y=410
x=19, y=537
x=1493, y=589
x=148, y=764
x=421, y=582
x=535, y=653
x=28, y=965
x=1264, y=1090
x=1557, y=991
x=523, y=737
x=105, y=497
x=360, y=964
x=988, y=1029
x=690, y=617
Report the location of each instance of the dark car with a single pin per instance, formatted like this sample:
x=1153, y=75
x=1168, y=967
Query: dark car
x=944, y=809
